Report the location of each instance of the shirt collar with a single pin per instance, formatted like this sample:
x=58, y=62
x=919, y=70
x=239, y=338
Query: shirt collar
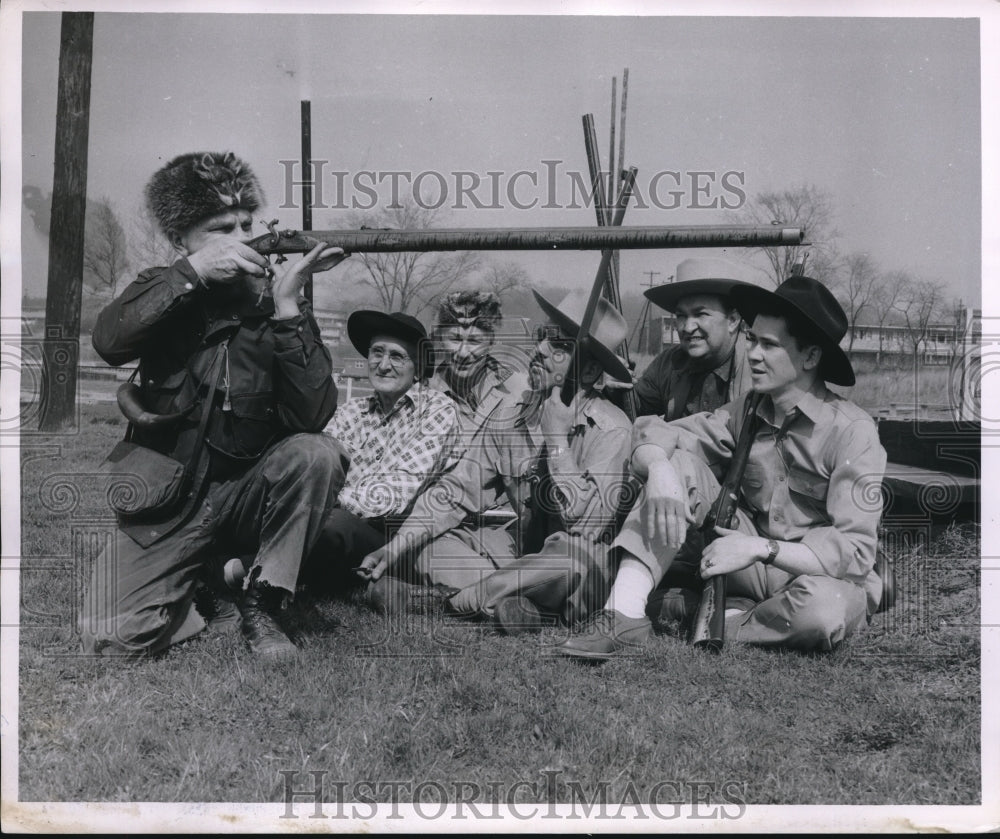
x=408, y=399
x=811, y=405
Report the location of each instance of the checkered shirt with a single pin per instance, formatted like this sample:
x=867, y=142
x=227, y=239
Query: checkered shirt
x=394, y=454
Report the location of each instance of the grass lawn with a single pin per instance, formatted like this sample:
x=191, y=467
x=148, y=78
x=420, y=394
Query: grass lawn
x=891, y=717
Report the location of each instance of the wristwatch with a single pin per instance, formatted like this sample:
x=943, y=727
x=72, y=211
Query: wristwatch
x=772, y=552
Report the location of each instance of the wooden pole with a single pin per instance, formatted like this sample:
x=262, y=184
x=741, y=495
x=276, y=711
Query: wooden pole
x=61, y=343
x=612, y=190
x=307, y=181
x=620, y=173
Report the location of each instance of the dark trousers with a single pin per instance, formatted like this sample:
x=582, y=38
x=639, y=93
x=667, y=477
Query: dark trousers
x=344, y=540
x=141, y=599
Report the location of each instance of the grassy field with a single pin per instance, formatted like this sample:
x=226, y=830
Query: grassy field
x=892, y=717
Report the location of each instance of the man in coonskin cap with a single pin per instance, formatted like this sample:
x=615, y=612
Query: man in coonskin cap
x=800, y=558
x=234, y=384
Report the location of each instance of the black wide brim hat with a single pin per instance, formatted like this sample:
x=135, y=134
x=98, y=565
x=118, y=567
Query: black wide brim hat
x=809, y=300
x=365, y=324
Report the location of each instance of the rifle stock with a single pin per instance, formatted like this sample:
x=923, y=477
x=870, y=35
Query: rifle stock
x=709, y=628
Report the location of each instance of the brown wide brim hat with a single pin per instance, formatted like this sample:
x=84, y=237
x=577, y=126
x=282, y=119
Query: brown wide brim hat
x=607, y=331
x=805, y=299
x=365, y=324
x=697, y=275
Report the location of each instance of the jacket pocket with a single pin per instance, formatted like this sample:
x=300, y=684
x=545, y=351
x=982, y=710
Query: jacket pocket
x=253, y=423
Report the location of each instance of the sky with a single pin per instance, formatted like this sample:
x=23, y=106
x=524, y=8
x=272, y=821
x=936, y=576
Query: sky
x=882, y=113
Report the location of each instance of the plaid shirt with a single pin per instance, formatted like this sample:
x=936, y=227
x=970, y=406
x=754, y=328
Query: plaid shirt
x=392, y=455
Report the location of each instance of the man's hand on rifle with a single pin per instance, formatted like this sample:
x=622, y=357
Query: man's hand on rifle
x=225, y=260
x=666, y=510
x=288, y=286
x=732, y=551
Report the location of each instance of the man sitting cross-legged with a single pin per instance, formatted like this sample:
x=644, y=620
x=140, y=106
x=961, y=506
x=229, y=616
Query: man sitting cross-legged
x=396, y=440
x=801, y=556
x=561, y=466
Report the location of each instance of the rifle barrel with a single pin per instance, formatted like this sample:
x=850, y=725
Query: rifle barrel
x=528, y=239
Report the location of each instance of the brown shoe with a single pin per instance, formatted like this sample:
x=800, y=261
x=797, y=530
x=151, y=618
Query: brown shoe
x=672, y=610
x=606, y=635
x=260, y=623
x=392, y=596
x=516, y=616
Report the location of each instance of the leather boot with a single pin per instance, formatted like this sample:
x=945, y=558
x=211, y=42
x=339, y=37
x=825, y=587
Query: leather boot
x=260, y=624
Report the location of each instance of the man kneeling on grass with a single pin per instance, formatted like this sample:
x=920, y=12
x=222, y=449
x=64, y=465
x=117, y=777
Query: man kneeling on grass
x=800, y=560
x=233, y=377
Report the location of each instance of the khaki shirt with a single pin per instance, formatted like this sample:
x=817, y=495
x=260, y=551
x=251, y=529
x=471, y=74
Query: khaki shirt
x=510, y=460
x=816, y=480
x=664, y=388
x=496, y=398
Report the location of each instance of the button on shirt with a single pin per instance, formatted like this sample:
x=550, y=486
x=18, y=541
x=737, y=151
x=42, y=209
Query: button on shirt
x=672, y=387
x=392, y=455
x=815, y=480
x=587, y=478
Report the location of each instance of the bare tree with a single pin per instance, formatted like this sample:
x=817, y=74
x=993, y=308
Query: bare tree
x=409, y=282
x=888, y=290
x=504, y=277
x=148, y=247
x=920, y=304
x=105, y=253
x=857, y=290
x=808, y=207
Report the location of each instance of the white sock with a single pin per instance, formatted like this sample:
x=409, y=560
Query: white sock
x=632, y=586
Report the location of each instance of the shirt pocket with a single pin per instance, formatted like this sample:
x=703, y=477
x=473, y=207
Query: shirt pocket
x=808, y=484
x=807, y=493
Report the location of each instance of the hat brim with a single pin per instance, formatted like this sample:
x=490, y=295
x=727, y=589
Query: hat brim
x=835, y=367
x=365, y=324
x=667, y=296
x=605, y=356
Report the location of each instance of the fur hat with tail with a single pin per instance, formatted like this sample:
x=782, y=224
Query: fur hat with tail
x=198, y=185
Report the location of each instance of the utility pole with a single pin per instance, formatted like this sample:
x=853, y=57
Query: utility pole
x=646, y=309
x=61, y=344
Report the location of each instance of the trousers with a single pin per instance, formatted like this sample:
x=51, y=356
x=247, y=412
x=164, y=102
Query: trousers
x=568, y=577
x=141, y=600
x=806, y=612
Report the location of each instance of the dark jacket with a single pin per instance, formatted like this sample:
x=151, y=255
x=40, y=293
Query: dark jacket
x=279, y=372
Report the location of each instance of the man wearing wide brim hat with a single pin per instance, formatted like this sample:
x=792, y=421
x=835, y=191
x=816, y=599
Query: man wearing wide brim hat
x=562, y=468
x=707, y=367
x=234, y=385
x=396, y=439
x=800, y=558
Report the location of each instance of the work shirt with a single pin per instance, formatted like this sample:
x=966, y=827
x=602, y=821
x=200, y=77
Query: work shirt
x=815, y=480
x=672, y=387
x=586, y=478
x=392, y=454
x=495, y=397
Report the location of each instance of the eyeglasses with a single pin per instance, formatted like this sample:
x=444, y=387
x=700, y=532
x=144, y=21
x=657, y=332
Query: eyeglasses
x=551, y=333
x=397, y=360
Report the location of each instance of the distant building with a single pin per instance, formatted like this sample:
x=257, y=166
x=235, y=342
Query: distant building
x=892, y=342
